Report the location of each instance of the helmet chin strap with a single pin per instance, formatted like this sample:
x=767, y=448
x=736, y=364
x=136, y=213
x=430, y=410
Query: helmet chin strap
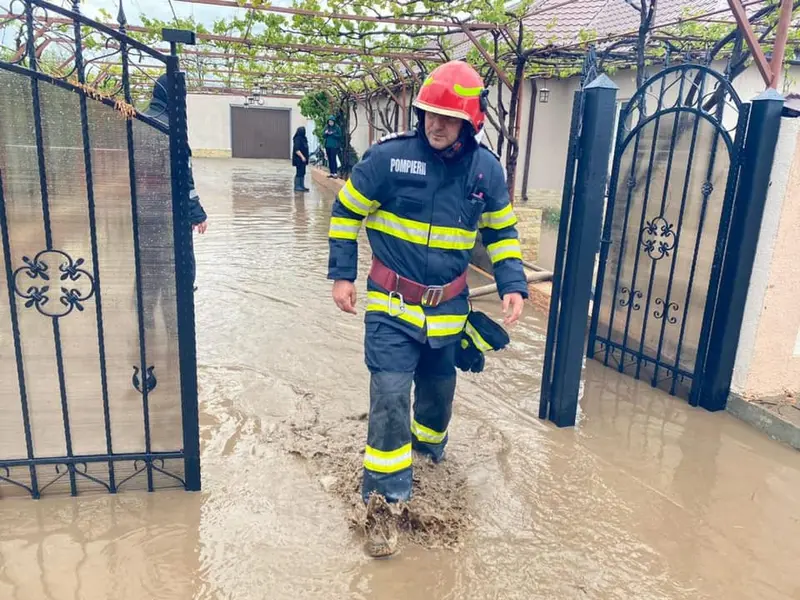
x=465, y=138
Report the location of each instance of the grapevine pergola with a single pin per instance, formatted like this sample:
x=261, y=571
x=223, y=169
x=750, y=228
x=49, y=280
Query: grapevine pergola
x=376, y=53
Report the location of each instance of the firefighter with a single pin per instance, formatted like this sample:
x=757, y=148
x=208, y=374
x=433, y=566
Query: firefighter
x=422, y=196
x=154, y=227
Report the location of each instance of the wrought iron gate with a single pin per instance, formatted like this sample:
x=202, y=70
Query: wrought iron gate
x=674, y=176
x=98, y=385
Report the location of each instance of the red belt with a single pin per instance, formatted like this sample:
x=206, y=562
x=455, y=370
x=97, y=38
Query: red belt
x=413, y=292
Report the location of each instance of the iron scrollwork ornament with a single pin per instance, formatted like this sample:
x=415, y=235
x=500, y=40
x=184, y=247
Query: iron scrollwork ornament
x=630, y=296
x=34, y=284
x=664, y=313
x=150, y=381
x=658, y=238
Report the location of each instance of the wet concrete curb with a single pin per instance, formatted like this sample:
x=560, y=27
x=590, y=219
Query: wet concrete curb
x=765, y=420
x=320, y=176
x=539, y=292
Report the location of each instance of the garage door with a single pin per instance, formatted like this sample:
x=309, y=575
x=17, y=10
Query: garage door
x=260, y=132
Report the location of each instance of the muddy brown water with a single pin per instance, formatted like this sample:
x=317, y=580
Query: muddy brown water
x=646, y=498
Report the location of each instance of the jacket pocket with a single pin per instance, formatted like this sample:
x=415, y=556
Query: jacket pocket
x=471, y=211
x=411, y=208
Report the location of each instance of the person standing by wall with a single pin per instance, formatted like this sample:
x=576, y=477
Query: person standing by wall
x=300, y=158
x=333, y=141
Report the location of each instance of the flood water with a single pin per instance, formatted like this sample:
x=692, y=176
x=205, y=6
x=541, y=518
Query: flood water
x=645, y=499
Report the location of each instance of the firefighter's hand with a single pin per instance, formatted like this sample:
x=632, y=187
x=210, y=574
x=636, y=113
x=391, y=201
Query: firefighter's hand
x=344, y=295
x=512, y=307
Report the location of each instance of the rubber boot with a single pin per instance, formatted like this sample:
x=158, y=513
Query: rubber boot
x=303, y=185
x=298, y=185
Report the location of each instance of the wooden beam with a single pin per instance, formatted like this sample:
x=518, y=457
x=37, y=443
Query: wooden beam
x=743, y=23
x=477, y=26
x=225, y=55
x=495, y=67
x=310, y=48
x=286, y=77
x=779, y=51
x=209, y=37
x=236, y=92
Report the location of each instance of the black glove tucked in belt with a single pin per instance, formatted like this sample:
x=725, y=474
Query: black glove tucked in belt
x=481, y=334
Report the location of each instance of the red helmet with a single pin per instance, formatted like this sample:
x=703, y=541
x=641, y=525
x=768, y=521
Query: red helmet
x=455, y=89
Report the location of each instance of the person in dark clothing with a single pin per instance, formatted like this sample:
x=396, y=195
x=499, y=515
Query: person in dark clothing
x=300, y=156
x=159, y=110
x=154, y=228
x=333, y=141
x=422, y=197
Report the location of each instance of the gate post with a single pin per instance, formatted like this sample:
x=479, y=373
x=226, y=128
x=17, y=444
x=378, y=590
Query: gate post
x=583, y=241
x=184, y=269
x=740, y=254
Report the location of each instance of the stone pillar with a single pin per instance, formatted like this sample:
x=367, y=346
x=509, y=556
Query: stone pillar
x=530, y=229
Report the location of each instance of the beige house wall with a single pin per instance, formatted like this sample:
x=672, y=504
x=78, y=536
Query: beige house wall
x=359, y=138
x=768, y=358
x=209, y=120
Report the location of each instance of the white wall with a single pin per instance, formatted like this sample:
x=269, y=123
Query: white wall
x=552, y=125
x=210, y=120
x=360, y=137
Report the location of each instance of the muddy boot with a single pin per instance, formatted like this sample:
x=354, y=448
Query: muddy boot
x=381, y=529
x=298, y=185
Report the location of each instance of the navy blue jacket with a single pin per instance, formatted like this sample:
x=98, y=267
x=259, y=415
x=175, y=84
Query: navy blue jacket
x=158, y=109
x=422, y=214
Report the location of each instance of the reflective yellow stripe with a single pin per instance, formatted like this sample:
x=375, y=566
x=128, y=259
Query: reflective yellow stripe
x=452, y=238
x=477, y=339
x=415, y=232
x=427, y=435
x=465, y=92
x=498, y=219
x=344, y=229
x=379, y=302
x=355, y=201
x=504, y=249
x=387, y=462
x=444, y=325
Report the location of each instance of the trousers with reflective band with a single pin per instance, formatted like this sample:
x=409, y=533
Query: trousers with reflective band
x=396, y=361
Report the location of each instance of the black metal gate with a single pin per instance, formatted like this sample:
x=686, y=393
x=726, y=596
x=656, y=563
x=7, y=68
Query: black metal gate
x=98, y=385
x=673, y=180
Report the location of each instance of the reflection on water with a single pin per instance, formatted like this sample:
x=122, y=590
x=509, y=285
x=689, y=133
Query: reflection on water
x=645, y=499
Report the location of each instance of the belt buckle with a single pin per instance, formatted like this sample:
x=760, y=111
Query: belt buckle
x=401, y=304
x=432, y=296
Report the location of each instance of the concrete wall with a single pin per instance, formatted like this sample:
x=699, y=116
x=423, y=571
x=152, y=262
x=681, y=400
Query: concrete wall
x=210, y=121
x=768, y=358
x=360, y=137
